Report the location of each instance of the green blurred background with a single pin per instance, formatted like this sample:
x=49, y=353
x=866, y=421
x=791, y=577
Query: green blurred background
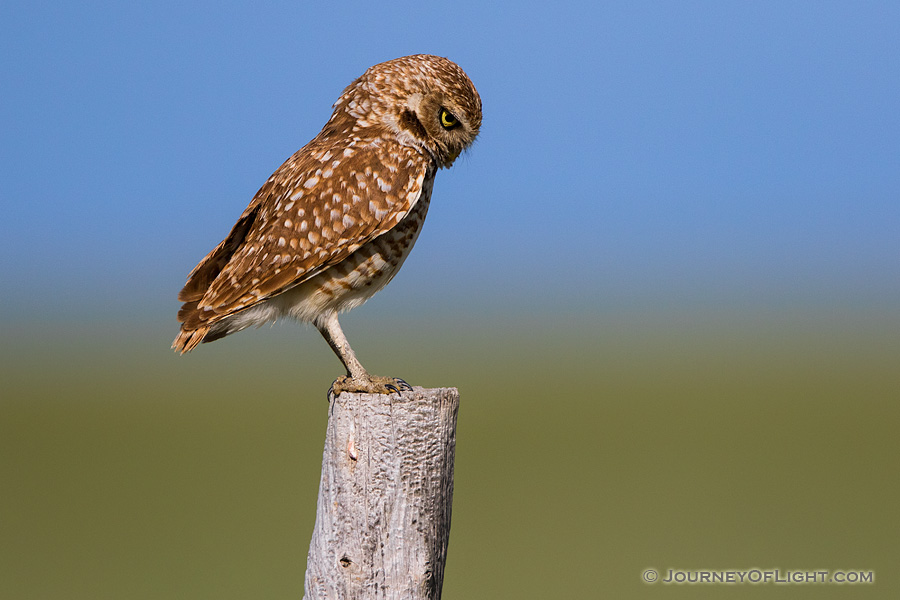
x=665, y=281
x=590, y=447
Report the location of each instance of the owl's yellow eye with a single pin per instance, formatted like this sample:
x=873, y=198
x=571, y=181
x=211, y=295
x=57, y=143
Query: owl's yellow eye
x=448, y=121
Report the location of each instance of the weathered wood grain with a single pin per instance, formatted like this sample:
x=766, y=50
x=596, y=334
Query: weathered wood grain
x=383, y=513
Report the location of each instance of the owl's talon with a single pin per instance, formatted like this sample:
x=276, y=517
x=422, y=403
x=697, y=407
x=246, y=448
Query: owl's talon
x=370, y=385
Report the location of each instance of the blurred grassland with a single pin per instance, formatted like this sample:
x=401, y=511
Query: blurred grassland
x=590, y=448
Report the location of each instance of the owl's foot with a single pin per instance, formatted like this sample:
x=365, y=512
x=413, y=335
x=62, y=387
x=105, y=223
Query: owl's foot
x=373, y=384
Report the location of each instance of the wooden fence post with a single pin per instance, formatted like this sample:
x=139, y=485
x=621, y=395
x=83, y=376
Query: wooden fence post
x=383, y=513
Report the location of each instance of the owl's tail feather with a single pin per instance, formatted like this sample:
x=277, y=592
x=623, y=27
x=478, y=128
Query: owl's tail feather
x=187, y=340
x=193, y=328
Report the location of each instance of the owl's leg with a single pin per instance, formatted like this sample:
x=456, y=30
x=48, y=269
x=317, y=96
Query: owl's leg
x=331, y=331
x=357, y=379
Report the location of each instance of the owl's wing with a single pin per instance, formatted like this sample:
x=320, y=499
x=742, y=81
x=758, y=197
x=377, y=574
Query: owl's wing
x=319, y=207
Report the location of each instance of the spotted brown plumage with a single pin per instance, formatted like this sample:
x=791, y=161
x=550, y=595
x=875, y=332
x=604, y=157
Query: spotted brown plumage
x=335, y=222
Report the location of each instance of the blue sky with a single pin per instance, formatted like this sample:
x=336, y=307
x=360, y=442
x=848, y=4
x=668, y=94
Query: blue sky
x=631, y=152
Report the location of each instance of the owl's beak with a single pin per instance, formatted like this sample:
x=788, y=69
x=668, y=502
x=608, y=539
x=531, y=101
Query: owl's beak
x=452, y=157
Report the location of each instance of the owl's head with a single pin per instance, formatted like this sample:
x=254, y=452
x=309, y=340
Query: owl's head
x=420, y=100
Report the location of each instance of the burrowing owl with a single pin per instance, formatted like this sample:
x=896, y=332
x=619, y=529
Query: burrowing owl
x=335, y=222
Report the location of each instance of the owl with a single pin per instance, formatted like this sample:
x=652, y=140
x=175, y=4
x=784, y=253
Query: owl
x=335, y=222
